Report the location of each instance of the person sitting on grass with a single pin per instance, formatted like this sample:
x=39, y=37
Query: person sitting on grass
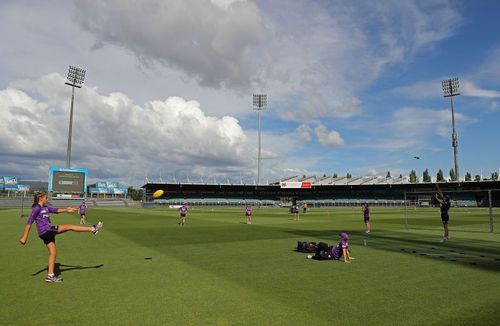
x=40, y=214
x=325, y=252
x=342, y=249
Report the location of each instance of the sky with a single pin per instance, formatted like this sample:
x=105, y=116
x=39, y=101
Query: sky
x=352, y=86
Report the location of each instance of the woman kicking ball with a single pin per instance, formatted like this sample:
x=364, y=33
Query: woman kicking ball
x=40, y=214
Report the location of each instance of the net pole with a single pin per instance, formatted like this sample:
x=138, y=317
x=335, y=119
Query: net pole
x=491, y=211
x=406, y=213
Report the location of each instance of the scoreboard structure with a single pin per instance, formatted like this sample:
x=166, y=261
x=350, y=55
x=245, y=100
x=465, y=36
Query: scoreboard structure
x=68, y=183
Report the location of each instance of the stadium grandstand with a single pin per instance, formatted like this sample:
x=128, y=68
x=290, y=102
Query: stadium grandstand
x=325, y=191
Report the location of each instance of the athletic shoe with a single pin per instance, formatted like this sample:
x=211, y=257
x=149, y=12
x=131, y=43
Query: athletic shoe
x=96, y=228
x=52, y=279
x=444, y=239
x=368, y=232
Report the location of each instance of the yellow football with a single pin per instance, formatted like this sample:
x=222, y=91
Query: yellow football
x=158, y=193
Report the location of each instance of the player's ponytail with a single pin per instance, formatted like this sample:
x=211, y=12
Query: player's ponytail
x=37, y=197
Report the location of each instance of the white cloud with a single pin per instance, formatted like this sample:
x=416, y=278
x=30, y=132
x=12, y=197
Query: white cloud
x=328, y=138
x=425, y=89
x=116, y=138
x=212, y=41
x=432, y=89
x=114, y=135
x=415, y=128
x=312, y=58
x=304, y=133
x=470, y=89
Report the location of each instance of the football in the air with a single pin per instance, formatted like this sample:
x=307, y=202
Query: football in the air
x=158, y=193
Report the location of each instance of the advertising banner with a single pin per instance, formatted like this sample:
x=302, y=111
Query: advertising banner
x=24, y=188
x=296, y=184
x=112, y=184
x=98, y=191
x=10, y=183
x=101, y=184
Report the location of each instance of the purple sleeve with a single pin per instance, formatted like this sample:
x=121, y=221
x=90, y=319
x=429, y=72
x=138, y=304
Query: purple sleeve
x=54, y=210
x=34, y=213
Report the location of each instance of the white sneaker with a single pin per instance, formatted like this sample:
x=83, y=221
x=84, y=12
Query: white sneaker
x=96, y=228
x=444, y=239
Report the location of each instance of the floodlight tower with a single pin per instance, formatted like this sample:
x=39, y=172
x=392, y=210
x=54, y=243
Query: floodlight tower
x=259, y=104
x=450, y=89
x=76, y=77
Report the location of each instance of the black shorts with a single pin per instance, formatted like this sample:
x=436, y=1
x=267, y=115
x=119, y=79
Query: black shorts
x=445, y=218
x=248, y=214
x=183, y=215
x=366, y=218
x=50, y=235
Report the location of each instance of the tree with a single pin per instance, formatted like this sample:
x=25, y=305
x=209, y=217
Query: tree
x=468, y=177
x=426, y=176
x=453, y=175
x=477, y=177
x=349, y=175
x=494, y=176
x=335, y=175
x=413, y=176
x=388, y=174
x=135, y=194
x=440, y=175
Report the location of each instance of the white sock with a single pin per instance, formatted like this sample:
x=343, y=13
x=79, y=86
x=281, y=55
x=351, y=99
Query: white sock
x=50, y=275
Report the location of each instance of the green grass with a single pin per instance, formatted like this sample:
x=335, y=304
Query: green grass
x=144, y=269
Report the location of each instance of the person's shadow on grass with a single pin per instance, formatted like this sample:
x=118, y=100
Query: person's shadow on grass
x=60, y=268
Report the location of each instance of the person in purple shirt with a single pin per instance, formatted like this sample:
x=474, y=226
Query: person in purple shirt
x=444, y=206
x=83, y=210
x=342, y=249
x=366, y=217
x=40, y=214
x=248, y=213
x=182, y=213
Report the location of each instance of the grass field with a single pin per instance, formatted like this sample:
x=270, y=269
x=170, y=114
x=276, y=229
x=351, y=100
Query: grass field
x=144, y=269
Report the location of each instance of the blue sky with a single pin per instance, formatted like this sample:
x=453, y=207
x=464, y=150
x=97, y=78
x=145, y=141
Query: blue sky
x=352, y=87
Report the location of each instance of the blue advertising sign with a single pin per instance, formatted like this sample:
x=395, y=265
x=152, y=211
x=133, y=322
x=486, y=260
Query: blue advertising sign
x=112, y=184
x=98, y=191
x=120, y=191
x=101, y=184
x=10, y=183
x=24, y=188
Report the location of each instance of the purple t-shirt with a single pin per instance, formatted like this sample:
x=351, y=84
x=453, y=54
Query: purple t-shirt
x=248, y=210
x=183, y=210
x=337, y=250
x=366, y=212
x=40, y=215
x=83, y=208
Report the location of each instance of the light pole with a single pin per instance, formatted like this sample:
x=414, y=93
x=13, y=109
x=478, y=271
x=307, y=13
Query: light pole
x=76, y=77
x=259, y=104
x=450, y=89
